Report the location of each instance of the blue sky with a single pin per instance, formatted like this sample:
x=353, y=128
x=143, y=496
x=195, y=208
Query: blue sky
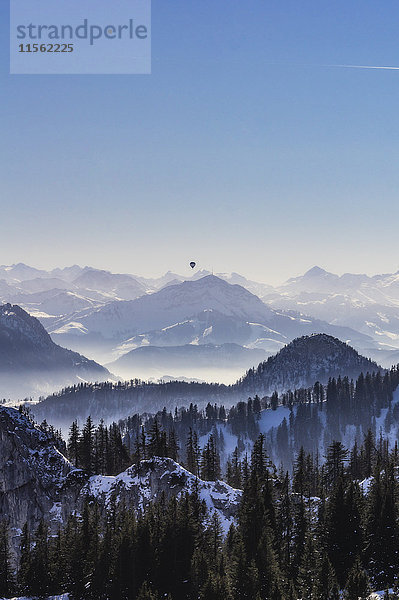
x=242, y=150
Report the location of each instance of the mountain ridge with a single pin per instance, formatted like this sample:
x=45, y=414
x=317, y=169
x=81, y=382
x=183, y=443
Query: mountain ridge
x=27, y=349
x=366, y=305
x=117, y=322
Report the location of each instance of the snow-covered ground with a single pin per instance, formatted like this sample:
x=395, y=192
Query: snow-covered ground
x=62, y=597
x=374, y=596
x=273, y=418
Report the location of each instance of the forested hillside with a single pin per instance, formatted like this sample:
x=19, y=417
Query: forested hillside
x=301, y=363
x=309, y=535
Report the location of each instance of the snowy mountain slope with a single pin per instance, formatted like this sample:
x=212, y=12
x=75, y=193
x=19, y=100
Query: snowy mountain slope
x=39, y=284
x=20, y=272
x=124, y=287
x=175, y=305
x=120, y=321
x=207, y=327
x=172, y=304
x=368, y=304
x=52, y=303
x=31, y=362
x=257, y=288
x=65, y=303
x=24, y=285
x=303, y=362
x=7, y=290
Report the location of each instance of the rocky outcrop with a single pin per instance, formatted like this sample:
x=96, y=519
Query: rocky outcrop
x=152, y=479
x=37, y=481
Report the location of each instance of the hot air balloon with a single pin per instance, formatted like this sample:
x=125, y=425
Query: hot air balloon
x=192, y=264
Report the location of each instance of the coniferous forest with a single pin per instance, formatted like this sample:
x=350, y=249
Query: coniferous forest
x=309, y=535
x=321, y=522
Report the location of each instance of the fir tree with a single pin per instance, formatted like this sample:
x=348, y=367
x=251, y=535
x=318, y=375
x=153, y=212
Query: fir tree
x=86, y=446
x=210, y=464
x=73, y=444
x=39, y=579
x=357, y=586
x=6, y=573
x=24, y=572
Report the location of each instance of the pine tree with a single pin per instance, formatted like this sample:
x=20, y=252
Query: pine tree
x=368, y=453
x=357, y=585
x=299, y=477
x=39, y=580
x=306, y=578
x=173, y=446
x=282, y=441
x=73, y=444
x=299, y=536
x=192, y=453
x=235, y=479
x=101, y=449
x=156, y=445
x=86, y=446
x=210, y=464
x=336, y=530
x=326, y=585
x=274, y=401
x=147, y=593
x=335, y=462
x=382, y=532
x=6, y=573
x=24, y=571
x=285, y=526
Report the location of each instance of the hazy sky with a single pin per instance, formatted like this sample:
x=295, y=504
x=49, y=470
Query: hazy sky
x=242, y=150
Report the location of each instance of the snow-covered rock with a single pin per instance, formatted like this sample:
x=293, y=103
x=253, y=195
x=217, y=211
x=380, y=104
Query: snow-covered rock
x=37, y=481
x=140, y=485
x=61, y=597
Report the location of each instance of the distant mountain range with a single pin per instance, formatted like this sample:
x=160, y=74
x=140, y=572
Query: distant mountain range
x=31, y=363
x=105, y=315
x=368, y=304
x=203, y=311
